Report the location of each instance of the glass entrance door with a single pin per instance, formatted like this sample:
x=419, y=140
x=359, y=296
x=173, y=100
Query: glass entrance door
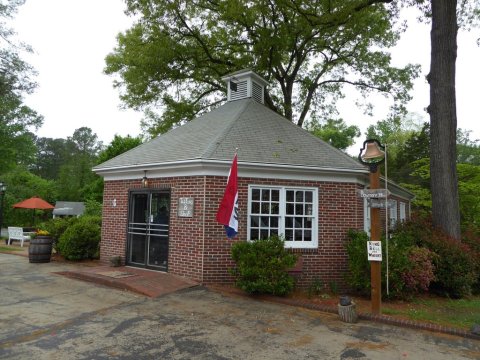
x=148, y=226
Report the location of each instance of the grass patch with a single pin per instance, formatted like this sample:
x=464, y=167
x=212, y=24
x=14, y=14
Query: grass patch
x=10, y=248
x=462, y=313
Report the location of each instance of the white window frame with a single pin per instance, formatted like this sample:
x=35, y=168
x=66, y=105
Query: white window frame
x=393, y=214
x=313, y=244
x=403, y=211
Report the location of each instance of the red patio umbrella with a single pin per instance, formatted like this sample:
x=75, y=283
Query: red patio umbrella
x=33, y=203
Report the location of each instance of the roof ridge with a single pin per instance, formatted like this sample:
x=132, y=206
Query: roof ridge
x=216, y=143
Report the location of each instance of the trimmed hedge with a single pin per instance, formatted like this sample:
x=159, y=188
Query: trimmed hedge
x=262, y=266
x=81, y=240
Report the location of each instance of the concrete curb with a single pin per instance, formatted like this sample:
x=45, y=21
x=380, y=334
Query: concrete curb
x=384, y=319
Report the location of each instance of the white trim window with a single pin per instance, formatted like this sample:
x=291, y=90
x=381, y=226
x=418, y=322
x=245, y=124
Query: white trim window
x=288, y=211
x=393, y=218
x=403, y=211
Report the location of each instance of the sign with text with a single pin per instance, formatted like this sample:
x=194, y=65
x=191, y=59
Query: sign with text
x=374, y=249
x=185, y=207
x=380, y=203
x=373, y=193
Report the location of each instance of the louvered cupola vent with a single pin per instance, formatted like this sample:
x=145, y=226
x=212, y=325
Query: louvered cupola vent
x=245, y=84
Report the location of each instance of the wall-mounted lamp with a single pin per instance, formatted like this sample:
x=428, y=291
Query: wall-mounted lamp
x=145, y=180
x=114, y=203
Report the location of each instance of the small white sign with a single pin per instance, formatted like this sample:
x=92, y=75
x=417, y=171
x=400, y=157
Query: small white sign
x=380, y=203
x=185, y=207
x=373, y=193
x=374, y=249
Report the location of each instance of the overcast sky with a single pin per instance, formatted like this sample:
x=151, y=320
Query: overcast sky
x=72, y=37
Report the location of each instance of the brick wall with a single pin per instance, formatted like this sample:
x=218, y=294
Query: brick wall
x=339, y=210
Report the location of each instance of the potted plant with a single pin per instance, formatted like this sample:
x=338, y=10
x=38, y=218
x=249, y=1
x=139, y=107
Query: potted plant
x=40, y=249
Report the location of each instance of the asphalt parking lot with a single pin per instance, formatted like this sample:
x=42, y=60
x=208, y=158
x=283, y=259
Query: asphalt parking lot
x=47, y=316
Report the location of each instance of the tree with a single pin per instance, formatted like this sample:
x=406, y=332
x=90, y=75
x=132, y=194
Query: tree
x=336, y=133
x=52, y=154
x=22, y=185
x=118, y=146
x=16, y=119
x=76, y=174
x=175, y=54
x=443, y=117
x=468, y=151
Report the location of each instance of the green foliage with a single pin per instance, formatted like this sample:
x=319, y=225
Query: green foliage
x=56, y=227
x=51, y=155
x=411, y=268
x=93, y=208
x=359, y=275
x=81, y=240
x=22, y=185
x=17, y=121
x=456, y=263
x=316, y=287
x=262, y=266
x=468, y=151
x=76, y=174
x=336, y=133
x=118, y=146
x=333, y=285
x=307, y=51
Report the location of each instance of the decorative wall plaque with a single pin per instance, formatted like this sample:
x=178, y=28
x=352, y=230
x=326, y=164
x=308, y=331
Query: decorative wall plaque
x=185, y=207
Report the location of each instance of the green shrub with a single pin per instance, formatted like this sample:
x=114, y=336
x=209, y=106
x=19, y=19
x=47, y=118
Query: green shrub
x=410, y=268
x=359, y=275
x=262, y=266
x=456, y=263
x=471, y=237
x=81, y=240
x=56, y=227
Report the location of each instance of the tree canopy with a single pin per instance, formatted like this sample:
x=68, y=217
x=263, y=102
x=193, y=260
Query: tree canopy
x=173, y=57
x=16, y=119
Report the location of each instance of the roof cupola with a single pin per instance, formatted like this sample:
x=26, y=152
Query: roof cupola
x=245, y=84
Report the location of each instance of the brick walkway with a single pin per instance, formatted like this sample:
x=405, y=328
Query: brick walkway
x=145, y=282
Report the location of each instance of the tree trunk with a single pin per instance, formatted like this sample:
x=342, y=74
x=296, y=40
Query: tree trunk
x=443, y=117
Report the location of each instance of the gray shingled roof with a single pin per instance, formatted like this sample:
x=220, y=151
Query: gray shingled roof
x=260, y=134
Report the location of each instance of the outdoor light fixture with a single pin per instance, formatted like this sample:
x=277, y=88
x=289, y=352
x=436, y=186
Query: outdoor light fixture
x=3, y=189
x=145, y=180
x=372, y=154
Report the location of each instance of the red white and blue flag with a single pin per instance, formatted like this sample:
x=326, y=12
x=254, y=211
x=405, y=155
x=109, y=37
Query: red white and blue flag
x=227, y=213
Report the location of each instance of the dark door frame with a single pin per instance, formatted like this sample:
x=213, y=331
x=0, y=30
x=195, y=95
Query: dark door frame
x=148, y=192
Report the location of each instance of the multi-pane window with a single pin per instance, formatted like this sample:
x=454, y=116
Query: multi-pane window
x=403, y=212
x=264, y=213
x=393, y=214
x=291, y=212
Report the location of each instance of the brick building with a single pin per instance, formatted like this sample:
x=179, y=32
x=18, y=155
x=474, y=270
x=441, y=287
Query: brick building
x=161, y=198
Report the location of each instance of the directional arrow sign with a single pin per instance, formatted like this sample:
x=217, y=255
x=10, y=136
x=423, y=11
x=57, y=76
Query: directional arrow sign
x=373, y=193
x=379, y=203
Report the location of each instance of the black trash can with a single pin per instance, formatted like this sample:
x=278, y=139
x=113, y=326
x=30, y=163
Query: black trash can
x=40, y=249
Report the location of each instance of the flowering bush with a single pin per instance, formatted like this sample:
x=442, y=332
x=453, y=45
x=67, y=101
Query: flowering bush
x=422, y=270
x=42, y=233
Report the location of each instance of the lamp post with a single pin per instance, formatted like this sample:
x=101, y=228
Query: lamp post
x=3, y=188
x=372, y=154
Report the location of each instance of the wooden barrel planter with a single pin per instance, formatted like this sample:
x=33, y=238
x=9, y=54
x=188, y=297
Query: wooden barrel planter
x=40, y=249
